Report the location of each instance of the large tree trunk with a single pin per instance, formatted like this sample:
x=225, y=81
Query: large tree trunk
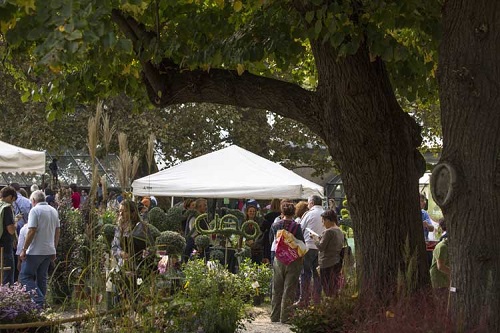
x=469, y=80
x=375, y=146
x=356, y=113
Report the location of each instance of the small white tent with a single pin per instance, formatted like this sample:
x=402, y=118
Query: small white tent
x=231, y=172
x=15, y=159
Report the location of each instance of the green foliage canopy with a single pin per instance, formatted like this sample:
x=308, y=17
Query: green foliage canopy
x=88, y=48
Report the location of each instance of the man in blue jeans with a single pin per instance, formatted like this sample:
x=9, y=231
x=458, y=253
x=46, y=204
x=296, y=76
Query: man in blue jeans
x=311, y=221
x=40, y=246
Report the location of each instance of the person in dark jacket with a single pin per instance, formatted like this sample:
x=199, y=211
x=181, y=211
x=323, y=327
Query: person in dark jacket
x=8, y=196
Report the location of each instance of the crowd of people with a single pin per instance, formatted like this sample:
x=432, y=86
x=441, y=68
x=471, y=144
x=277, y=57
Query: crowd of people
x=30, y=238
x=299, y=283
x=30, y=234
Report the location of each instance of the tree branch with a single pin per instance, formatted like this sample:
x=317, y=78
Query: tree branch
x=132, y=29
x=221, y=86
x=168, y=84
x=139, y=36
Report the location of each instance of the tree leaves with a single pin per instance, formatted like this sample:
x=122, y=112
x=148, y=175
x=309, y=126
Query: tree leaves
x=237, y=6
x=240, y=69
x=74, y=35
x=79, y=43
x=27, y=5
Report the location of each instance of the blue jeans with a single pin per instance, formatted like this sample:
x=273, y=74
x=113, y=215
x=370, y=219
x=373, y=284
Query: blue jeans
x=8, y=261
x=33, y=275
x=309, y=271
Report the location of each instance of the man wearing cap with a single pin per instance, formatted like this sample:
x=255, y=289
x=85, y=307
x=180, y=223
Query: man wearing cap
x=40, y=246
x=8, y=196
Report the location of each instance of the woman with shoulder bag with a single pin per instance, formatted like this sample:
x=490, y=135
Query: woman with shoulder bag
x=285, y=277
x=330, y=245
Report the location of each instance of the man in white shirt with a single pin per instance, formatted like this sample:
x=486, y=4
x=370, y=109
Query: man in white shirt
x=39, y=247
x=20, y=244
x=311, y=221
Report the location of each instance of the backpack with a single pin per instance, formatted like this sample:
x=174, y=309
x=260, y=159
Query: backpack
x=289, y=248
x=3, y=205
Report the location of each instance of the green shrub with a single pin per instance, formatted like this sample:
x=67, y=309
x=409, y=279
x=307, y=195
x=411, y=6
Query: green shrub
x=331, y=315
x=256, y=278
x=217, y=255
x=158, y=218
x=108, y=231
x=72, y=252
x=211, y=302
x=172, y=242
x=154, y=231
x=238, y=213
x=174, y=219
x=108, y=217
x=202, y=242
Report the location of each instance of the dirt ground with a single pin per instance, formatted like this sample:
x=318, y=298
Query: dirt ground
x=263, y=324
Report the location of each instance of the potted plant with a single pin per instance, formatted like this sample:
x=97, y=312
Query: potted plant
x=172, y=242
x=108, y=231
x=154, y=231
x=174, y=219
x=217, y=255
x=257, y=279
x=158, y=218
x=202, y=242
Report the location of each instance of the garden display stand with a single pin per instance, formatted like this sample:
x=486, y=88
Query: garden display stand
x=227, y=226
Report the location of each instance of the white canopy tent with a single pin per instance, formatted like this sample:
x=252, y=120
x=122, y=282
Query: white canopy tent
x=20, y=160
x=231, y=172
